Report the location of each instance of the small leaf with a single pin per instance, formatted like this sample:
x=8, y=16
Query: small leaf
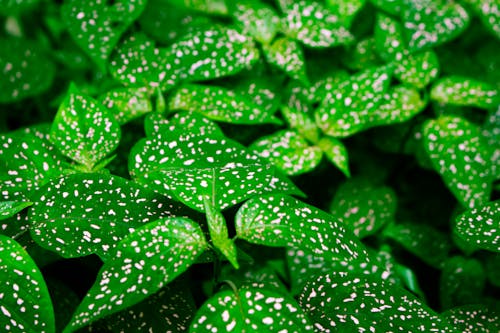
x=219, y=104
x=314, y=25
x=257, y=19
x=362, y=55
x=213, y=7
x=84, y=130
x=489, y=13
x=288, y=151
x=25, y=301
x=250, y=310
x=363, y=207
x=346, y=10
x=127, y=104
x=11, y=208
x=279, y=220
x=392, y=7
x=261, y=91
x=26, y=70
x=473, y=318
x=182, y=122
x=460, y=156
x=142, y=264
x=418, y=69
x=287, y=55
x=302, y=122
x=456, y=90
x=97, y=26
x=389, y=39
x=480, y=226
x=336, y=153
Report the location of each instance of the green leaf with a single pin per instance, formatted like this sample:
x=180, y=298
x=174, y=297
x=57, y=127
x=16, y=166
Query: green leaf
x=127, y=104
x=457, y=90
x=257, y=19
x=363, y=207
x=418, y=69
x=250, y=310
x=142, y=264
x=188, y=122
x=389, y=39
x=473, y=318
x=84, y=130
x=287, y=55
x=214, y=7
x=11, y=208
x=346, y=109
x=89, y=213
x=97, y=26
x=183, y=166
x=261, y=91
x=288, y=151
x=8, y=7
x=280, y=220
x=492, y=268
x=346, y=10
x=424, y=241
x=459, y=155
x=314, y=25
x=362, y=55
x=479, y=226
x=26, y=70
x=219, y=104
x=392, y=7
x=431, y=23
x=336, y=153
x=302, y=122
x=462, y=282
x=356, y=303
x=25, y=301
x=489, y=13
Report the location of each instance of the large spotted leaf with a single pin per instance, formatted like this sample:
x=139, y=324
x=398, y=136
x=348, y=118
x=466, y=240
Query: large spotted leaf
x=355, y=303
x=11, y=208
x=460, y=156
x=288, y=151
x=363, y=207
x=189, y=122
x=84, y=130
x=347, y=108
x=302, y=122
x=142, y=264
x=219, y=104
x=190, y=167
x=89, y=213
x=280, y=220
x=250, y=310
x=480, y=226
x=430, y=23
x=287, y=55
x=26, y=70
x=257, y=19
x=336, y=152
x=96, y=26
x=473, y=318
x=346, y=10
x=489, y=13
x=457, y=90
x=25, y=304
x=314, y=25
x=127, y=104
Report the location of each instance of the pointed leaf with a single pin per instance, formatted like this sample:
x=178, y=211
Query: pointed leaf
x=362, y=55
x=346, y=10
x=11, y=208
x=287, y=55
x=489, y=13
x=473, y=318
x=126, y=104
x=25, y=302
x=456, y=90
x=257, y=19
x=143, y=263
x=336, y=153
x=302, y=122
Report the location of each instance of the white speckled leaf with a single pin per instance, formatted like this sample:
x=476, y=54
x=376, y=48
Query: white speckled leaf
x=250, y=310
x=26, y=71
x=362, y=55
x=347, y=108
x=473, y=318
x=142, y=264
x=489, y=13
x=302, y=122
x=185, y=166
x=392, y=7
x=314, y=25
x=127, y=104
x=356, y=303
x=89, y=213
x=25, y=304
x=11, y=208
x=84, y=130
x=280, y=220
x=288, y=55
x=455, y=90
x=336, y=153
x=346, y=10
x=481, y=226
x=261, y=91
x=431, y=23
x=364, y=208
x=460, y=156
x=220, y=104
x=288, y=151
x=257, y=19
x=213, y=7
x=96, y=26
x=185, y=122
x=389, y=39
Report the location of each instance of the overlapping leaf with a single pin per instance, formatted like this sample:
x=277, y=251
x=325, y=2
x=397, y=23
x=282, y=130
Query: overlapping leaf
x=11, y=208
x=473, y=318
x=489, y=13
x=346, y=10
x=336, y=153
x=126, y=104
x=287, y=55
x=362, y=55
x=456, y=90
x=189, y=122
x=257, y=19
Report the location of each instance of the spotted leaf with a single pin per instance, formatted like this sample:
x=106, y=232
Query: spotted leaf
x=97, y=26
x=11, y=208
x=392, y=7
x=181, y=122
x=260, y=91
x=480, y=226
x=288, y=151
x=257, y=19
x=185, y=167
x=336, y=153
x=432, y=23
x=489, y=13
x=314, y=25
x=456, y=90
x=219, y=104
x=302, y=122
x=459, y=155
x=347, y=108
x=362, y=55
x=26, y=70
x=287, y=55
x=363, y=207
x=127, y=104
x=214, y=7
x=25, y=302
x=89, y=213
x=280, y=220
x=248, y=310
x=473, y=318
x=389, y=39
x=346, y=10
x=84, y=130
x=142, y=264
x=356, y=303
